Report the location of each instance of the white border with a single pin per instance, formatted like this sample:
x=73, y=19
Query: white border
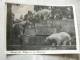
x=76, y=28
x=48, y=51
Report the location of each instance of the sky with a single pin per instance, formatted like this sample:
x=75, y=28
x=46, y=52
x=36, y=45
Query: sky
x=21, y=10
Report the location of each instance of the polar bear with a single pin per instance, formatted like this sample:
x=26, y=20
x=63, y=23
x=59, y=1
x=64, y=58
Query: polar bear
x=58, y=38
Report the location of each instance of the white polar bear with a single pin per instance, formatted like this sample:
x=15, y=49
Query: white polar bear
x=43, y=14
x=58, y=38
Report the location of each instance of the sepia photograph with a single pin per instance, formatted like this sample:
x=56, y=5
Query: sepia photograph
x=38, y=27
x=43, y=57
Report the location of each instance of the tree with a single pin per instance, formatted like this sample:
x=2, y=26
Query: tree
x=61, y=12
x=9, y=24
x=37, y=7
x=10, y=18
x=31, y=19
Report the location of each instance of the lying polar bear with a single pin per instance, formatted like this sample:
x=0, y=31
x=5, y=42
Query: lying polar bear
x=57, y=39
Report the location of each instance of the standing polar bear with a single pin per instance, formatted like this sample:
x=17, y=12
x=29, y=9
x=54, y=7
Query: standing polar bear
x=57, y=39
